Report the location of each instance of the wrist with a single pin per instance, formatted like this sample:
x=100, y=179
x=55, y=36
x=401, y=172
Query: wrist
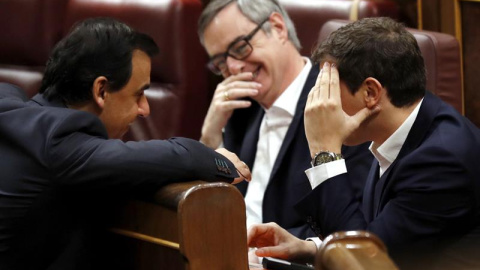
x=325, y=148
x=323, y=157
x=210, y=141
x=310, y=250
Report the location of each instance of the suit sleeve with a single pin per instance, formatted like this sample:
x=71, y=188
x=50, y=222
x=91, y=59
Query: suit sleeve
x=416, y=202
x=82, y=158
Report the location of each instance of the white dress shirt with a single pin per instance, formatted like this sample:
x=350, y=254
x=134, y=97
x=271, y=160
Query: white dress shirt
x=272, y=131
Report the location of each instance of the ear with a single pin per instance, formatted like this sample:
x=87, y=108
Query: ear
x=278, y=26
x=373, y=91
x=99, y=91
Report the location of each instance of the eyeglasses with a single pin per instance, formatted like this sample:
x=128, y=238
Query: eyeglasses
x=239, y=49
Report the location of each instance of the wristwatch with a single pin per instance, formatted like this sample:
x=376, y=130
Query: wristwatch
x=325, y=157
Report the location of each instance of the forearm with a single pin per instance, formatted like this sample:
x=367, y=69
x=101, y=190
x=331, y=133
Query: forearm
x=210, y=137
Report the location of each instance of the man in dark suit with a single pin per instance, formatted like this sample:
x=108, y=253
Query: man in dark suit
x=257, y=111
x=63, y=165
x=422, y=195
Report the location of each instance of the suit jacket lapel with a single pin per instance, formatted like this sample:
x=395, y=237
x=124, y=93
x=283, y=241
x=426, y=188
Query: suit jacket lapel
x=249, y=149
x=297, y=121
x=415, y=137
x=369, y=191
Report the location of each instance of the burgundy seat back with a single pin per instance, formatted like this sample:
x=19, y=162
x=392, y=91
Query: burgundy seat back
x=310, y=15
x=30, y=29
x=441, y=53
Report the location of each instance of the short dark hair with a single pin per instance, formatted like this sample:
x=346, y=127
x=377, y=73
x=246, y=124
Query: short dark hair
x=94, y=47
x=380, y=48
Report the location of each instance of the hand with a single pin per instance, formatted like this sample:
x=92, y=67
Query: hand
x=240, y=166
x=224, y=101
x=327, y=126
x=274, y=241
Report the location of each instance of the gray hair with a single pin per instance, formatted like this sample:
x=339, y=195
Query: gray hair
x=254, y=10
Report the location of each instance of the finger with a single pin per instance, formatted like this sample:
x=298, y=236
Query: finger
x=238, y=93
x=242, y=84
x=244, y=171
x=237, y=180
x=364, y=114
x=325, y=82
x=273, y=251
x=244, y=76
x=234, y=104
x=315, y=91
x=226, y=95
x=252, y=234
x=244, y=175
x=335, y=84
x=260, y=233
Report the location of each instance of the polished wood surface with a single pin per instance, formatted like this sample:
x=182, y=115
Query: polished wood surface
x=193, y=226
x=470, y=40
x=353, y=250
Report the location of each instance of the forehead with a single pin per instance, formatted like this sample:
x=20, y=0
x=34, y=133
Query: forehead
x=226, y=26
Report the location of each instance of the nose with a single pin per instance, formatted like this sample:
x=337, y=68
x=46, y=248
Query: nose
x=235, y=66
x=143, y=107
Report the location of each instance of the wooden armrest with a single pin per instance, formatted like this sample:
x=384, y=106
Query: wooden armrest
x=195, y=225
x=353, y=250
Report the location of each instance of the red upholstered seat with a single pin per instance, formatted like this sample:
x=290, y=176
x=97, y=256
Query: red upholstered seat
x=30, y=29
x=310, y=15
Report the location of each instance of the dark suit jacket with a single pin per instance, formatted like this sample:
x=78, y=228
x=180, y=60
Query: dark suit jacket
x=60, y=175
x=288, y=182
x=428, y=199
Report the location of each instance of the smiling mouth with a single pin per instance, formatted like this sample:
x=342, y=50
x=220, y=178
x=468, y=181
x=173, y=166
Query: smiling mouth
x=255, y=73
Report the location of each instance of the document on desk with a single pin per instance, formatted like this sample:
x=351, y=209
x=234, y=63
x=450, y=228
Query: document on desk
x=255, y=266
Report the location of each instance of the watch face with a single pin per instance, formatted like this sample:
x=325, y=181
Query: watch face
x=323, y=157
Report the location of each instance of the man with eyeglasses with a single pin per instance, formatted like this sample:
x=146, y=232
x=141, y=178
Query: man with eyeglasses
x=257, y=111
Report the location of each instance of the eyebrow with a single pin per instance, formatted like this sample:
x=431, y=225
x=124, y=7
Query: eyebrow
x=143, y=88
x=229, y=46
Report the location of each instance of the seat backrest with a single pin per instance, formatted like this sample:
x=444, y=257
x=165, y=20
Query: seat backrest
x=178, y=94
x=441, y=53
x=353, y=250
x=30, y=30
x=310, y=15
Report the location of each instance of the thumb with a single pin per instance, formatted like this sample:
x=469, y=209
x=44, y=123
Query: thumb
x=364, y=114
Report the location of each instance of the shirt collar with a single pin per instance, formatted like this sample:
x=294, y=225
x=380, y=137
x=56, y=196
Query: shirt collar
x=289, y=98
x=387, y=152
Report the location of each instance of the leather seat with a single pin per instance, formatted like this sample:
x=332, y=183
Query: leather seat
x=310, y=15
x=30, y=30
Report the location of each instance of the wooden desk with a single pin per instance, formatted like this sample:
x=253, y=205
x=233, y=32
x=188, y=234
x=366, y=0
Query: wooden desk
x=193, y=226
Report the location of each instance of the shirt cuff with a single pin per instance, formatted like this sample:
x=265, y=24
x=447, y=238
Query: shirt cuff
x=319, y=174
x=315, y=240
